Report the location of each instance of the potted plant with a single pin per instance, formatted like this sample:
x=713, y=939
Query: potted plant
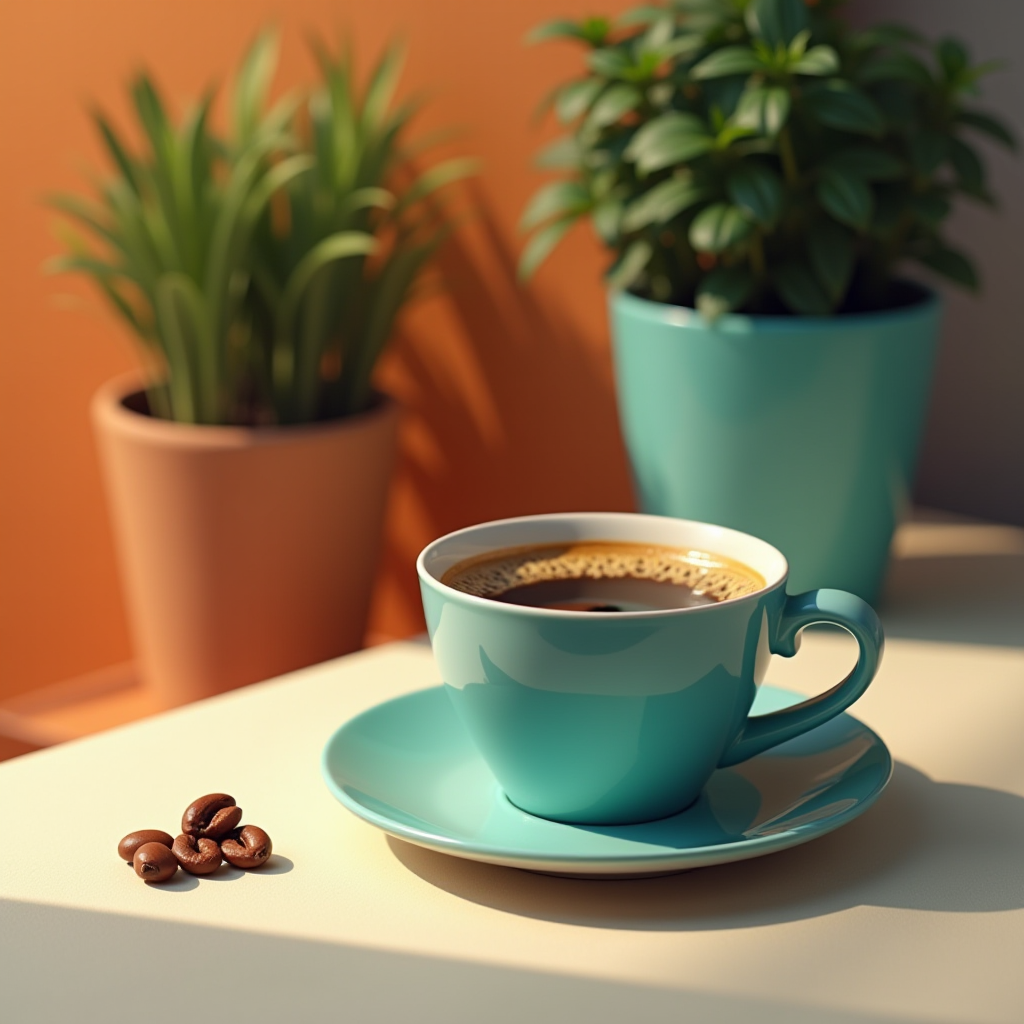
x=261, y=271
x=763, y=173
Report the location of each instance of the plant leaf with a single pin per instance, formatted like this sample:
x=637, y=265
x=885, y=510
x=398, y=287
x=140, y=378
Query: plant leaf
x=557, y=199
x=889, y=66
x=969, y=169
x=730, y=60
x=717, y=227
x=559, y=28
x=833, y=254
x=724, y=290
x=819, y=60
x=437, y=177
x=541, y=244
x=661, y=203
x=764, y=109
x=799, y=289
x=869, y=163
x=253, y=83
x=841, y=106
x=607, y=218
x=990, y=126
x=930, y=208
x=927, y=150
x=777, y=22
x=380, y=90
x=576, y=98
x=952, y=57
x=560, y=154
x=609, y=63
x=670, y=139
x=615, y=102
x=950, y=263
x=756, y=188
x=846, y=197
x=629, y=266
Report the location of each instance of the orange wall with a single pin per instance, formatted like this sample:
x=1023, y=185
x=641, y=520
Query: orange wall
x=509, y=391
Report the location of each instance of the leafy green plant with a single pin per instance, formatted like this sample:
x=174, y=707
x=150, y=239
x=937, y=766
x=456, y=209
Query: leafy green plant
x=762, y=155
x=262, y=271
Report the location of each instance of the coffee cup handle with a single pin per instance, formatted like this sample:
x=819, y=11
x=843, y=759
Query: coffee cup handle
x=842, y=609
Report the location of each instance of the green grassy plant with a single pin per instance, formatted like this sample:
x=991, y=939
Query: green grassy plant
x=762, y=155
x=262, y=269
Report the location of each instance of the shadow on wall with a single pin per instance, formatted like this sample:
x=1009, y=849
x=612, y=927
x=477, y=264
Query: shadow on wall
x=513, y=414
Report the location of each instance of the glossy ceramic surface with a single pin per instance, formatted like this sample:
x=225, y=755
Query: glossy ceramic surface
x=800, y=430
x=408, y=767
x=618, y=719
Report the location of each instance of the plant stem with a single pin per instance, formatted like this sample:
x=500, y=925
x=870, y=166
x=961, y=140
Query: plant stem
x=788, y=158
x=757, y=256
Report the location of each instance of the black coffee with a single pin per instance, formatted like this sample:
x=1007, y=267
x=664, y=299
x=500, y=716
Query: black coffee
x=603, y=576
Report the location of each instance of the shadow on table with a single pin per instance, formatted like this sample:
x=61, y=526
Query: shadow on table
x=924, y=846
x=973, y=598
x=184, y=882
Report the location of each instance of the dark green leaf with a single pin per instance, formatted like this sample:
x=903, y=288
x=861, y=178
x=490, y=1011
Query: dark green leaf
x=839, y=105
x=833, y=254
x=869, y=163
x=898, y=102
x=931, y=208
x=951, y=264
x=717, y=227
x=776, y=21
x=730, y=60
x=756, y=188
x=763, y=109
x=575, y=99
x=723, y=290
x=660, y=204
x=124, y=163
x=819, y=60
x=884, y=35
x=540, y=245
x=613, y=104
x=989, y=125
x=629, y=266
x=846, y=197
x=952, y=57
x=969, y=169
x=555, y=200
x=899, y=66
x=595, y=30
x=669, y=139
x=799, y=289
x=927, y=150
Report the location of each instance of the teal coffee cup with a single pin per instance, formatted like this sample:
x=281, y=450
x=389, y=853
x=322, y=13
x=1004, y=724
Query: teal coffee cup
x=621, y=717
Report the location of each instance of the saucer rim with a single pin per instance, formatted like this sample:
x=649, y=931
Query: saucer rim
x=614, y=864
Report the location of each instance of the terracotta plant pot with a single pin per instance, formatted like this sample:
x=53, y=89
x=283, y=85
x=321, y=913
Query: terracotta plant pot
x=244, y=552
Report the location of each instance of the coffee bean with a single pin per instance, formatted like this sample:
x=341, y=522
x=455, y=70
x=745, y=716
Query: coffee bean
x=131, y=842
x=154, y=862
x=197, y=856
x=247, y=847
x=211, y=817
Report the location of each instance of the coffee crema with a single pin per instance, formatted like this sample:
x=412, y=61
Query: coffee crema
x=603, y=576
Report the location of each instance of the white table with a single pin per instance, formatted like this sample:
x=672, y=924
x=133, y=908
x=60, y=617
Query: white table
x=914, y=912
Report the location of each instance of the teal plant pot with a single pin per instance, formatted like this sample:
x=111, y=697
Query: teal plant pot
x=803, y=431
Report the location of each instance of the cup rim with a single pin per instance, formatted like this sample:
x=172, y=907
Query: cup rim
x=777, y=580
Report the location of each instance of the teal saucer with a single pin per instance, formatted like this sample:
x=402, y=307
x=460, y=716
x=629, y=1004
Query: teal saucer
x=408, y=768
